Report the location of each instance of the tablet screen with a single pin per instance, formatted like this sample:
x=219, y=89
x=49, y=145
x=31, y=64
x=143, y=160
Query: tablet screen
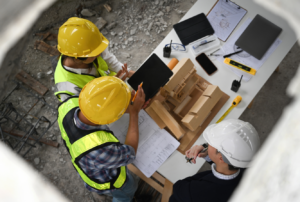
x=154, y=73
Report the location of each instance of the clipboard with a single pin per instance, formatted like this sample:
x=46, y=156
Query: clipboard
x=224, y=17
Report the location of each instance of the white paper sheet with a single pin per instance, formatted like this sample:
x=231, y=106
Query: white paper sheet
x=155, y=144
x=244, y=57
x=224, y=17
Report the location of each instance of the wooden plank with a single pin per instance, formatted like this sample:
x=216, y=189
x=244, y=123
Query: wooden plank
x=155, y=117
x=250, y=105
x=107, y=7
x=150, y=181
x=159, y=178
x=168, y=190
x=19, y=133
x=31, y=82
x=172, y=124
x=42, y=46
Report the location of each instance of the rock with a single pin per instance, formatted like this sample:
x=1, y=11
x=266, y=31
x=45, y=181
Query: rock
x=111, y=25
x=113, y=33
x=145, y=21
x=53, y=138
x=150, y=26
x=130, y=39
x=36, y=161
x=127, y=55
x=120, y=33
x=49, y=72
x=160, y=14
x=53, y=88
x=100, y=23
x=156, y=2
x=147, y=33
x=132, y=31
x=61, y=159
x=19, y=98
x=87, y=13
x=123, y=46
x=168, y=8
x=39, y=75
x=104, y=32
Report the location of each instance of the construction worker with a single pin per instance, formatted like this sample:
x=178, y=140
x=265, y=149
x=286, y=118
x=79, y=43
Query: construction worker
x=84, y=57
x=231, y=145
x=97, y=155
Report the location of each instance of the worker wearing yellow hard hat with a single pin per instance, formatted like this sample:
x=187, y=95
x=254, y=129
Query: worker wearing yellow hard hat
x=97, y=155
x=84, y=57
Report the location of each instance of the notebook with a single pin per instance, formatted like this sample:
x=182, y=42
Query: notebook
x=258, y=37
x=154, y=74
x=193, y=29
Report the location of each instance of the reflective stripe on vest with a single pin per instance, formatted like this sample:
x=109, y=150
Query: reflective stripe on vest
x=63, y=75
x=85, y=144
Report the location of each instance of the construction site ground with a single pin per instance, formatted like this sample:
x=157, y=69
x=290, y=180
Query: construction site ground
x=134, y=29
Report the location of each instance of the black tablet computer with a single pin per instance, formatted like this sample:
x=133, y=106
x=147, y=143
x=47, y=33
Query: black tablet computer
x=154, y=73
x=193, y=29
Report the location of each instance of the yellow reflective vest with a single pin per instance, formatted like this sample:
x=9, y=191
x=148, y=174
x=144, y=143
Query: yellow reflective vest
x=63, y=75
x=81, y=142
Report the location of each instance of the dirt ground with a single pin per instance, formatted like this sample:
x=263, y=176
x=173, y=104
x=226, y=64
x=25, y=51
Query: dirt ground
x=150, y=20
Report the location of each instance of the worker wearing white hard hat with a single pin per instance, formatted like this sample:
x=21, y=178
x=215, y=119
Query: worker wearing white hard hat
x=231, y=145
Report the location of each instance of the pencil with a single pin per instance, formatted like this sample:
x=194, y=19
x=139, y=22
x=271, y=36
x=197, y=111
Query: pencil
x=136, y=93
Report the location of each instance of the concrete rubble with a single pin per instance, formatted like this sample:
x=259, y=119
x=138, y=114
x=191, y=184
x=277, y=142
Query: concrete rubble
x=100, y=23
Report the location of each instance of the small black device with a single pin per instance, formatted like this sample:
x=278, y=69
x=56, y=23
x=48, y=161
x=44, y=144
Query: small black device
x=236, y=85
x=167, y=50
x=206, y=64
x=154, y=74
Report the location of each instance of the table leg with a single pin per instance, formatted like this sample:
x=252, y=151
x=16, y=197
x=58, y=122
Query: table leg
x=168, y=190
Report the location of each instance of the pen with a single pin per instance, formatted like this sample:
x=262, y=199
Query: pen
x=136, y=93
x=228, y=55
x=202, y=44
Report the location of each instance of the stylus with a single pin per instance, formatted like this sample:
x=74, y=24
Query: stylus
x=228, y=55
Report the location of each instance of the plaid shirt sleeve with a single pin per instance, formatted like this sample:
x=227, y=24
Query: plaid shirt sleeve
x=113, y=156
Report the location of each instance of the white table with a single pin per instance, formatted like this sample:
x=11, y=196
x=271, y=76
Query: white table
x=176, y=168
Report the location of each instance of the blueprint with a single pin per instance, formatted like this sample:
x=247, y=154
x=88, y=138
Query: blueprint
x=244, y=57
x=155, y=144
x=224, y=17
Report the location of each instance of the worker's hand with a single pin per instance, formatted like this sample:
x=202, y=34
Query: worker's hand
x=123, y=74
x=130, y=73
x=146, y=104
x=138, y=102
x=194, y=152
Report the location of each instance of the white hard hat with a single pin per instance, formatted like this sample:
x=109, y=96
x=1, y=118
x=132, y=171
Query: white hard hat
x=237, y=140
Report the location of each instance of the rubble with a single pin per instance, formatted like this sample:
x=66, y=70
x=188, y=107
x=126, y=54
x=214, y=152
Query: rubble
x=49, y=72
x=150, y=26
x=39, y=75
x=36, y=161
x=113, y=33
x=100, y=23
x=133, y=31
x=120, y=33
x=87, y=13
x=107, y=7
x=111, y=25
x=168, y=8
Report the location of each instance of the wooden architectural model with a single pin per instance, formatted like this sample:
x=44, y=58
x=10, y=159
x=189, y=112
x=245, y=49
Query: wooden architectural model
x=185, y=102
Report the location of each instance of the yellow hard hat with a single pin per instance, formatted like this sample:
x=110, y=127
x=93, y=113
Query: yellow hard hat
x=80, y=38
x=104, y=100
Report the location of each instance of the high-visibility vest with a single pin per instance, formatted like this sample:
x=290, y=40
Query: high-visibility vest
x=63, y=75
x=81, y=142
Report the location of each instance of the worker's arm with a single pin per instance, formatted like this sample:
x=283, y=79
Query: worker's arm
x=132, y=137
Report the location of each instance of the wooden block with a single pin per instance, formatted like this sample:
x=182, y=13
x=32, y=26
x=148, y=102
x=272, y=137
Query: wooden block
x=168, y=191
x=107, y=7
x=47, y=36
x=155, y=117
x=19, y=133
x=179, y=72
x=31, y=82
x=193, y=122
x=171, y=123
x=178, y=109
x=150, y=181
x=42, y=46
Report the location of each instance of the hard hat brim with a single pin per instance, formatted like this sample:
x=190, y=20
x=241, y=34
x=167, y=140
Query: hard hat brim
x=100, y=48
